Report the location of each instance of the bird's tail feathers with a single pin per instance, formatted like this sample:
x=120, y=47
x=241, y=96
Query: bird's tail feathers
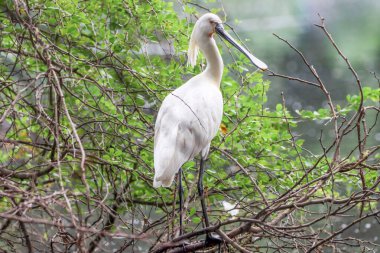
x=156, y=183
x=164, y=182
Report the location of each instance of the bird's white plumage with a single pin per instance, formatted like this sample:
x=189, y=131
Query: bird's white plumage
x=190, y=116
x=187, y=121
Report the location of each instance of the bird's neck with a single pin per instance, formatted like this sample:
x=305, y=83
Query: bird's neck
x=214, y=69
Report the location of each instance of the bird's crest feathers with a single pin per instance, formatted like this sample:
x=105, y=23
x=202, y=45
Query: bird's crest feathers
x=193, y=51
x=204, y=26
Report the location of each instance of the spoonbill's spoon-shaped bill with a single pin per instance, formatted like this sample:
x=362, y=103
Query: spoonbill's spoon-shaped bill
x=258, y=63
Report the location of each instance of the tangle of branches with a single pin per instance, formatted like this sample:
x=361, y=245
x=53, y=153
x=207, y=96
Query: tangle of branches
x=79, y=90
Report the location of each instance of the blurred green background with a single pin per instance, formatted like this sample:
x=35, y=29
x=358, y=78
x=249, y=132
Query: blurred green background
x=355, y=27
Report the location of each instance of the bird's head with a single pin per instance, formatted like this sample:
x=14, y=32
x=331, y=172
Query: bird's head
x=205, y=26
x=203, y=31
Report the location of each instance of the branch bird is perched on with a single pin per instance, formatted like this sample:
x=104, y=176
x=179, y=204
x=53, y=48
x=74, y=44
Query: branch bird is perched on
x=190, y=116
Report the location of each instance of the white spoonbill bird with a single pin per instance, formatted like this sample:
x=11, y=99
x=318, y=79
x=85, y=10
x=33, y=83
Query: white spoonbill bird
x=190, y=116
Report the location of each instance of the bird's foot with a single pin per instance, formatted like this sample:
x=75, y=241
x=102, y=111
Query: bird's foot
x=213, y=238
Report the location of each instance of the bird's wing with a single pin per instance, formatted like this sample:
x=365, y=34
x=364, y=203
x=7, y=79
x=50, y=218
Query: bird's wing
x=176, y=140
x=186, y=123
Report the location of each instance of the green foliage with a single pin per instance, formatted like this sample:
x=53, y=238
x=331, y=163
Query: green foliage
x=113, y=88
x=370, y=98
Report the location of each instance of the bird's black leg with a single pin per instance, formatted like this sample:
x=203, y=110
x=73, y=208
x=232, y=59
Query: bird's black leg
x=209, y=236
x=180, y=193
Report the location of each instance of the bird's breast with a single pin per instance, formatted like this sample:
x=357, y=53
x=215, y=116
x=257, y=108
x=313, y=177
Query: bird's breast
x=202, y=108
